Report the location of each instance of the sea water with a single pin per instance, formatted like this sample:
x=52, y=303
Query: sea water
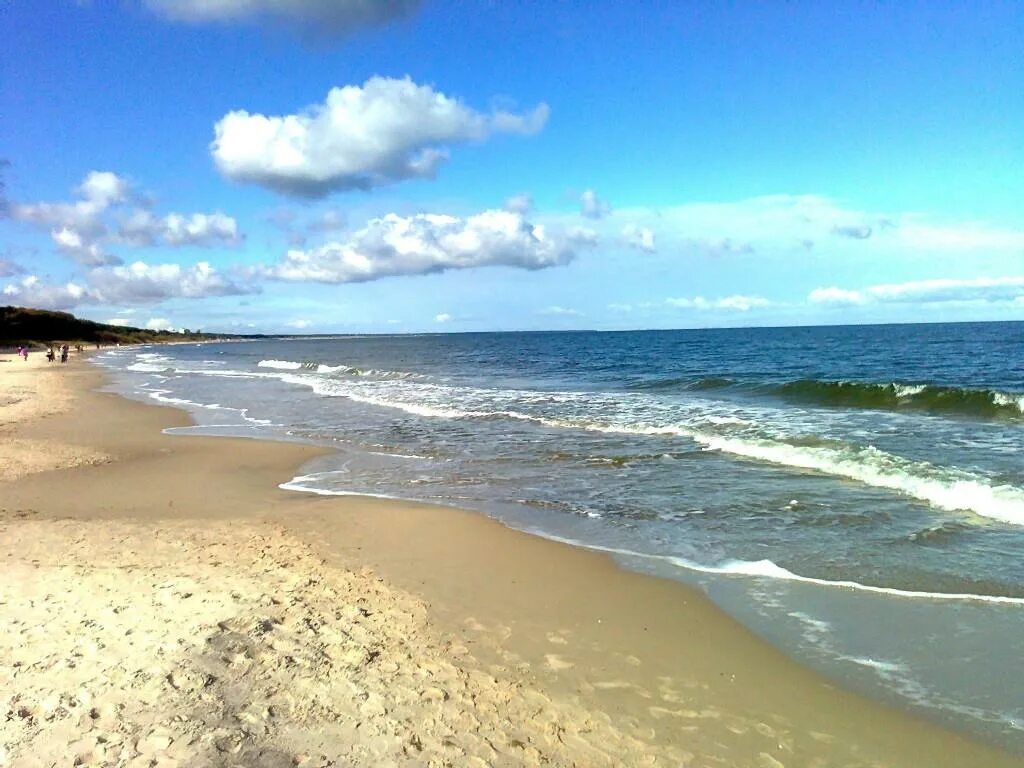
x=853, y=494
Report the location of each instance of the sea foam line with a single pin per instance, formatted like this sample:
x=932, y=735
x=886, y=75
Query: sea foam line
x=760, y=569
x=943, y=489
x=769, y=570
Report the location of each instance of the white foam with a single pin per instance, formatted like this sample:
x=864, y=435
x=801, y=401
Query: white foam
x=281, y=365
x=908, y=390
x=884, y=668
x=766, y=569
x=295, y=484
x=1006, y=399
x=943, y=488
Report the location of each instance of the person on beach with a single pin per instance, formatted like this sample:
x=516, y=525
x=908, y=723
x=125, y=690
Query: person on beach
x=64, y=353
x=50, y=354
x=23, y=351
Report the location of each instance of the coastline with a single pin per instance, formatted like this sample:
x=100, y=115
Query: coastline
x=491, y=626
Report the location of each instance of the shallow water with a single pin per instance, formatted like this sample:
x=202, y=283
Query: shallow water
x=854, y=494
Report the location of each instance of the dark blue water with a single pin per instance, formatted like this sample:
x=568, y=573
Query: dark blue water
x=855, y=494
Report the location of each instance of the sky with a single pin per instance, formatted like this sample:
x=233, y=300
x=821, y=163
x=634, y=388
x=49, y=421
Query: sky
x=339, y=166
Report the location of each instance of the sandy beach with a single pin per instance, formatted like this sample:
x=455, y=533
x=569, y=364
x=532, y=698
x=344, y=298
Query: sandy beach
x=165, y=603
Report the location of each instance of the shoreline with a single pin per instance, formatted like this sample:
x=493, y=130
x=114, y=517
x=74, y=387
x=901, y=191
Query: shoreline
x=644, y=663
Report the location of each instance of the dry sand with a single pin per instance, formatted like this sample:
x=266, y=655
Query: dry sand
x=164, y=603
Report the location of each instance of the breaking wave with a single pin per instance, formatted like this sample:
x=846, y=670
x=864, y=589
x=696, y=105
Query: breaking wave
x=965, y=401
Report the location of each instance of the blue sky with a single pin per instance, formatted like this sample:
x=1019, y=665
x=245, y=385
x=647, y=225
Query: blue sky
x=333, y=165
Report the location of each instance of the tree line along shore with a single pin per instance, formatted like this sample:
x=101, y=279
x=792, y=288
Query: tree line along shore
x=40, y=328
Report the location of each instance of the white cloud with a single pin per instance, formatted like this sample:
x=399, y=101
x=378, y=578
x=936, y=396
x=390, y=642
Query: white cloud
x=384, y=131
x=427, y=243
x=299, y=324
x=159, y=324
x=734, y=303
x=519, y=203
x=983, y=289
x=104, y=188
x=141, y=228
x=592, y=206
x=200, y=229
x=137, y=283
x=78, y=227
x=30, y=291
x=556, y=311
x=796, y=223
x=120, y=322
x=144, y=283
x=82, y=229
x=318, y=18
x=640, y=238
x=442, y=317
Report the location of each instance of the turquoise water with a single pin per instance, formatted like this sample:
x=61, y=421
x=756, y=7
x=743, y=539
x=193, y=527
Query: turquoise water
x=854, y=494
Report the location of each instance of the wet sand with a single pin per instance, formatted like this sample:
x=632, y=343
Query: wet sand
x=166, y=604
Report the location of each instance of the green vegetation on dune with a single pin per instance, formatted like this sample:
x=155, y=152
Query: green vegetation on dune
x=19, y=325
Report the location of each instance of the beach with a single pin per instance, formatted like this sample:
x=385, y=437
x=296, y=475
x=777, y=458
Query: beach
x=166, y=603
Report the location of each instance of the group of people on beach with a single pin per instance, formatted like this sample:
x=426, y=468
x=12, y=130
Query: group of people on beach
x=64, y=350
x=51, y=355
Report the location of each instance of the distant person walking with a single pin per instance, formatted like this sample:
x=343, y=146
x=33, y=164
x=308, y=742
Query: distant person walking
x=23, y=351
x=50, y=354
x=64, y=353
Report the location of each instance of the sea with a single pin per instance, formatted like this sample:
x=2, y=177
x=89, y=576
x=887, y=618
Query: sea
x=853, y=494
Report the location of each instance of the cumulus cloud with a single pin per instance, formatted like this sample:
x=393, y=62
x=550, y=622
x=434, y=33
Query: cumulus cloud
x=78, y=227
x=137, y=283
x=640, y=238
x=519, y=203
x=442, y=317
x=142, y=228
x=109, y=213
x=382, y=132
x=982, y=289
x=734, y=303
x=317, y=18
x=140, y=282
x=30, y=291
x=592, y=206
x=428, y=243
